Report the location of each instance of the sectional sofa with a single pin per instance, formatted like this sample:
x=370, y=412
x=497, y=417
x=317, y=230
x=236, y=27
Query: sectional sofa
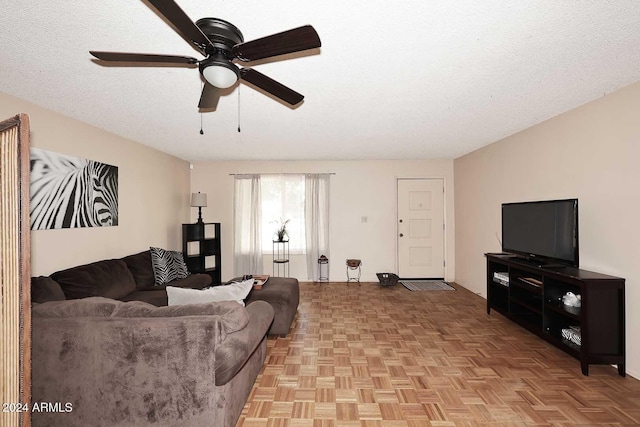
x=106, y=343
x=114, y=363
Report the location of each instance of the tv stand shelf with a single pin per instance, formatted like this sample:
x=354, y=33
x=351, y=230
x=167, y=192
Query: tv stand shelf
x=532, y=298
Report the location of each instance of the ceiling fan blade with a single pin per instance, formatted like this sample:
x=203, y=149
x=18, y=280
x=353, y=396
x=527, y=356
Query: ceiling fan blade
x=290, y=41
x=209, y=98
x=185, y=26
x=143, y=57
x=271, y=86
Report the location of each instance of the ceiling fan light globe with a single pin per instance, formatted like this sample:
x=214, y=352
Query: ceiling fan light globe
x=220, y=76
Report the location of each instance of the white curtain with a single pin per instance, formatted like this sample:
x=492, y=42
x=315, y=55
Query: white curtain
x=316, y=221
x=247, y=225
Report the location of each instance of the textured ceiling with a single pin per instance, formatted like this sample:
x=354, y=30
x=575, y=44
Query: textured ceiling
x=393, y=80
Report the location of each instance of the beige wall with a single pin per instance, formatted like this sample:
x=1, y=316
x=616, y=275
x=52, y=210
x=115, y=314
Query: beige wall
x=591, y=153
x=153, y=192
x=358, y=188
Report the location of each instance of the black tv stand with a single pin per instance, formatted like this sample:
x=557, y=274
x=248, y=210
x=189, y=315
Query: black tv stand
x=531, y=296
x=536, y=262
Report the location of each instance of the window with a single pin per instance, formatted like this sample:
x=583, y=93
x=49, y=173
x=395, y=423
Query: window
x=282, y=200
x=261, y=202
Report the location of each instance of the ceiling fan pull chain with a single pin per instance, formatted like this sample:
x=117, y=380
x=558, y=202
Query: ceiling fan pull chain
x=238, y=108
x=201, y=131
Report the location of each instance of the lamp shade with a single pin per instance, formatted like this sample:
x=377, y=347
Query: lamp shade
x=198, y=199
x=220, y=75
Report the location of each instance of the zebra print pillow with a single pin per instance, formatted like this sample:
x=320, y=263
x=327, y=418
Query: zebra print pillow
x=167, y=265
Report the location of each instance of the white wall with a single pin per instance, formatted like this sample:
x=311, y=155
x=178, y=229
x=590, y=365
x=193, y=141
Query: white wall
x=153, y=192
x=358, y=188
x=591, y=153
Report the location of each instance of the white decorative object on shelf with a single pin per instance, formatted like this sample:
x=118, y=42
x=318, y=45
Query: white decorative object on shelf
x=571, y=300
x=501, y=278
x=572, y=333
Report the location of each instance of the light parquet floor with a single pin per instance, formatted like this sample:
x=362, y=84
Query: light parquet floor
x=367, y=356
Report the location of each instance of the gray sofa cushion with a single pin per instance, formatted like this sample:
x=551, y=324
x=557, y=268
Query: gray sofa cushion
x=156, y=297
x=45, y=289
x=233, y=316
x=86, y=307
x=108, y=278
x=193, y=281
x=141, y=268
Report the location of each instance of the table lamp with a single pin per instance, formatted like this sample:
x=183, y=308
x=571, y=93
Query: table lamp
x=198, y=200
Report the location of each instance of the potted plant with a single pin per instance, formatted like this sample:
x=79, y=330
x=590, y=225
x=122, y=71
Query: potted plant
x=281, y=232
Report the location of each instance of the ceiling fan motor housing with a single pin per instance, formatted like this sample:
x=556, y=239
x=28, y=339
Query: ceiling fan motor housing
x=223, y=35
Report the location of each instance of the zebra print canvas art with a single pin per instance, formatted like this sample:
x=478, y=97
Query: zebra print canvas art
x=71, y=192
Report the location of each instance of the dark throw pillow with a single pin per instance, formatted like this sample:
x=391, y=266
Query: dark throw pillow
x=167, y=265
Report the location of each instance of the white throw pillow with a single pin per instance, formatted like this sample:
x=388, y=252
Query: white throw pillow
x=236, y=291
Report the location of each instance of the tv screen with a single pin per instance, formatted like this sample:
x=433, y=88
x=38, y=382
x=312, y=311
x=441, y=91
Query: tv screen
x=546, y=231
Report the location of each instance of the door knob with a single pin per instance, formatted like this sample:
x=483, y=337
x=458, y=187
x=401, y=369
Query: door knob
x=400, y=220
x=401, y=235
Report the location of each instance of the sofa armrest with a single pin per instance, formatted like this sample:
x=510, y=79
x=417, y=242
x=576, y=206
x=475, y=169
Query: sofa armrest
x=235, y=350
x=126, y=371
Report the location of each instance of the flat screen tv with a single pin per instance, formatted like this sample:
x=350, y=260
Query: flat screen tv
x=545, y=232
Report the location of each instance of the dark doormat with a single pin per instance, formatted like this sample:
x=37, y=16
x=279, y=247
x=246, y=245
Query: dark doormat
x=426, y=285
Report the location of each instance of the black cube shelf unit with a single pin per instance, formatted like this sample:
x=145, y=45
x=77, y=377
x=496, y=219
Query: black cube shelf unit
x=531, y=296
x=201, y=249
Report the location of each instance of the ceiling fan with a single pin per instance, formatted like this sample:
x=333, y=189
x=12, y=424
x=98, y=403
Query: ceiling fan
x=222, y=42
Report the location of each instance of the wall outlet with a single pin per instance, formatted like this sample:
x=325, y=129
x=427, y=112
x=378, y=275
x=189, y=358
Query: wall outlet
x=364, y=219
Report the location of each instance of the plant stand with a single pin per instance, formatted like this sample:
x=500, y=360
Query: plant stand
x=280, y=258
x=321, y=277
x=354, y=270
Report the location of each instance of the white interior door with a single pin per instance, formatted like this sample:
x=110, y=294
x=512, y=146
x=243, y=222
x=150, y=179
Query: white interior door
x=420, y=228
